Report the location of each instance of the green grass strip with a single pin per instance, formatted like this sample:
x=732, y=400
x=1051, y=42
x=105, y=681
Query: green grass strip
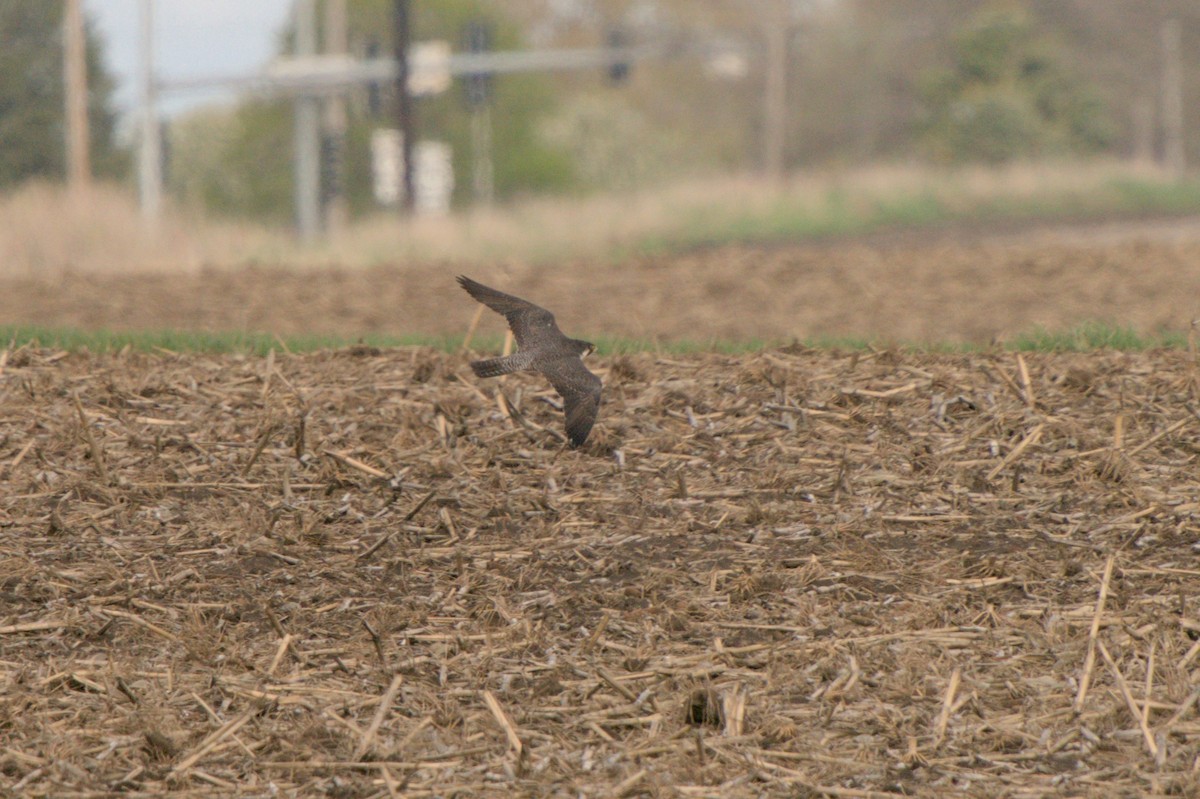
x=841, y=213
x=1096, y=336
x=75, y=340
x=1088, y=337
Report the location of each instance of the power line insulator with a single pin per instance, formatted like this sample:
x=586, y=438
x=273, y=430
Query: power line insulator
x=618, y=70
x=478, y=84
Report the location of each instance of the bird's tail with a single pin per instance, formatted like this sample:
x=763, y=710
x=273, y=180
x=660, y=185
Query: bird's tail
x=494, y=367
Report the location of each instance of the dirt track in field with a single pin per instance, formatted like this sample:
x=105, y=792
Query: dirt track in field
x=784, y=574
x=954, y=285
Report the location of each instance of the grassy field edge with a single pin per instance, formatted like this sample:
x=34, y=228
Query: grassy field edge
x=842, y=212
x=43, y=229
x=1082, y=338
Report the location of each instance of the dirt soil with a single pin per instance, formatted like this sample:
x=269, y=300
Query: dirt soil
x=356, y=574
x=959, y=284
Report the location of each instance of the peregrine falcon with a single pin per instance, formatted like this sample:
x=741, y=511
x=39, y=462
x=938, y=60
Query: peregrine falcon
x=542, y=347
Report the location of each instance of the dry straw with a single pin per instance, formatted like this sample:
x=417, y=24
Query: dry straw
x=791, y=573
x=46, y=230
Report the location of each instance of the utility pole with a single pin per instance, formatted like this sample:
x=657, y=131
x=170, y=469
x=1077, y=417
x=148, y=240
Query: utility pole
x=307, y=131
x=335, y=121
x=483, y=172
x=479, y=89
x=149, y=149
x=1143, y=130
x=405, y=116
x=79, y=167
x=775, y=96
x=1172, y=100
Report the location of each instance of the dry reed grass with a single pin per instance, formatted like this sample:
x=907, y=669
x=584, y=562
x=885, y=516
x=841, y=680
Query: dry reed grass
x=45, y=230
x=790, y=574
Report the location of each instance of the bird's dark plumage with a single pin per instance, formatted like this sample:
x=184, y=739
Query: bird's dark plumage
x=544, y=348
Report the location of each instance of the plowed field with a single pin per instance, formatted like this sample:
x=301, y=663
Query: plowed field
x=794, y=573
x=957, y=285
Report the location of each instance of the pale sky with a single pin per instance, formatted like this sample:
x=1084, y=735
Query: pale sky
x=192, y=38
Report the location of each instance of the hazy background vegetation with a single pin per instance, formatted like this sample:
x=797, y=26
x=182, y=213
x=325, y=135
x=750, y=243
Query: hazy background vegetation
x=32, y=126
x=936, y=81
x=926, y=84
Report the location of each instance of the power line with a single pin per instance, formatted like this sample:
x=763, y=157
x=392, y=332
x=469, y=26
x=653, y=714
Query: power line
x=336, y=73
x=1172, y=99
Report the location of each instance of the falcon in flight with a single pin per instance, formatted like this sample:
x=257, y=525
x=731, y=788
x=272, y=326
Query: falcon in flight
x=542, y=347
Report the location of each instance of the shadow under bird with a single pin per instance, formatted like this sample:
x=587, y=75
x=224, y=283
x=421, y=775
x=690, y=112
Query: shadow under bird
x=542, y=347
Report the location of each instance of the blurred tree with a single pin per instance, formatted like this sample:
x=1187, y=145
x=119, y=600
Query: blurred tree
x=1007, y=96
x=859, y=70
x=235, y=161
x=32, y=112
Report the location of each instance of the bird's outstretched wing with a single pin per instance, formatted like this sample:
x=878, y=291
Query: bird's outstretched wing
x=580, y=390
x=531, y=324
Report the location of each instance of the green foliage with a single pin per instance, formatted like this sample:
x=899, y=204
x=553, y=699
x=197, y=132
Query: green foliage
x=32, y=96
x=236, y=162
x=1007, y=96
x=613, y=145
